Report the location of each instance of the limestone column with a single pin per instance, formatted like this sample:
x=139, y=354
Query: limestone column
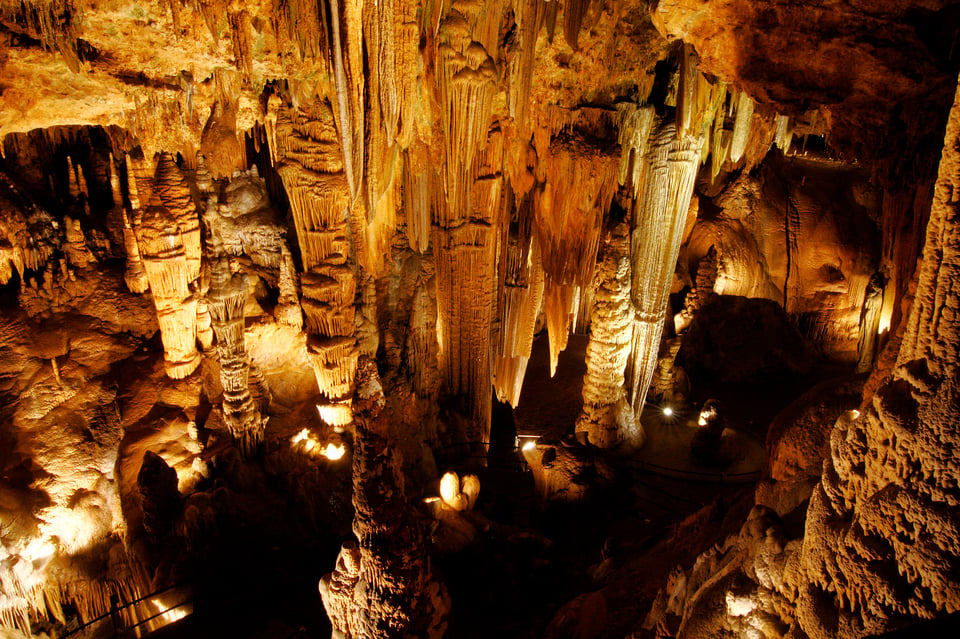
x=168, y=271
x=226, y=300
x=383, y=585
x=606, y=417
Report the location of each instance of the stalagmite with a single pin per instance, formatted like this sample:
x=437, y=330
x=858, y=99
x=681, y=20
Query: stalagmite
x=288, y=309
x=169, y=273
x=383, y=585
x=312, y=172
x=75, y=248
x=226, y=299
x=603, y=417
x=660, y=218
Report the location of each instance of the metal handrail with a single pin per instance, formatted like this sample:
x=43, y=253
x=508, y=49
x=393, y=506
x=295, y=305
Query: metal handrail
x=115, y=610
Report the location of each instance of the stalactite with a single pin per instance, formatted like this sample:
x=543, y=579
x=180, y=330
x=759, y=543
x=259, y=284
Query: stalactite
x=531, y=17
x=368, y=334
x=603, y=417
x=465, y=74
x=311, y=168
x=169, y=272
x=660, y=218
x=204, y=328
x=466, y=212
x=783, y=137
x=579, y=184
x=522, y=297
x=288, y=309
x=742, y=126
x=634, y=131
x=174, y=193
x=416, y=197
x=226, y=298
x=219, y=144
x=573, y=14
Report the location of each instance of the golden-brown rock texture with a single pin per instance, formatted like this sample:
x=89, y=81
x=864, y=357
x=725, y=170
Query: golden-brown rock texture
x=883, y=526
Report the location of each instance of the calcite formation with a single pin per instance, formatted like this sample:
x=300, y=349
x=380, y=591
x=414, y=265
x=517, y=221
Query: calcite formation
x=718, y=194
x=169, y=271
x=383, y=584
x=226, y=299
x=661, y=216
x=312, y=168
x=606, y=417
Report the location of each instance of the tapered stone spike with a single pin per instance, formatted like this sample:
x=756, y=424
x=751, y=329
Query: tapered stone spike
x=655, y=243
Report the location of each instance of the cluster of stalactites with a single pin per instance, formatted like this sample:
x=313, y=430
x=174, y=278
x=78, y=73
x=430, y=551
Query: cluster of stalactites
x=226, y=300
x=311, y=168
x=660, y=216
x=606, y=416
x=466, y=80
x=522, y=296
x=579, y=182
x=465, y=249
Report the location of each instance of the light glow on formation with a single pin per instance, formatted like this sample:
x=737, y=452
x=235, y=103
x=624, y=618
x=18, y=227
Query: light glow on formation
x=333, y=451
x=668, y=411
x=39, y=549
x=529, y=445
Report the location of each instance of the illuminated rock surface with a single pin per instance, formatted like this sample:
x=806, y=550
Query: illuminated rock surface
x=267, y=269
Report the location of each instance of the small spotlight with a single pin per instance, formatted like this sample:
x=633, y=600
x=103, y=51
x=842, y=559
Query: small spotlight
x=529, y=445
x=668, y=411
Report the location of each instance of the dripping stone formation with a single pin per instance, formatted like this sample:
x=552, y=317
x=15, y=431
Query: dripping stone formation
x=284, y=285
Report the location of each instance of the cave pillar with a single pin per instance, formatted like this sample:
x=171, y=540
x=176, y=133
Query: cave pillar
x=168, y=270
x=226, y=300
x=466, y=212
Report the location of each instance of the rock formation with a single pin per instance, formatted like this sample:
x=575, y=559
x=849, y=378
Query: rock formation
x=383, y=584
x=226, y=299
x=605, y=417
